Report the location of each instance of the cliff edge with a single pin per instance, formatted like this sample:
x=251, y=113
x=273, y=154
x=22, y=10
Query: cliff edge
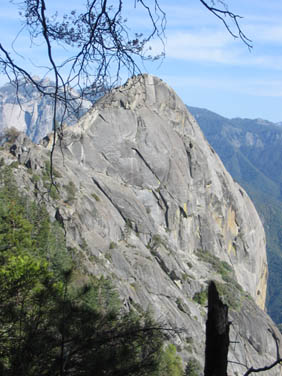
x=153, y=207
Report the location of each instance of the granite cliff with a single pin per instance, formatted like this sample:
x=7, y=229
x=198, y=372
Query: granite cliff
x=251, y=151
x=144, y=199
x=30, y=112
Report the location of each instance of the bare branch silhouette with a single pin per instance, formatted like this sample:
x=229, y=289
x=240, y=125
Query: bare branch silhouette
x=223, y=14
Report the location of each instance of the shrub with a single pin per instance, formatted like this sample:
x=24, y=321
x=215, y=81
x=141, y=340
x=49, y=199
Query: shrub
x=14, y=164
x=35, y=178
x=54, y=194
x=171, y=363
x=193, y=367
x=230, y=294
x=201, y=297
x=10, y=134
x=222, y=267
x=47, y=169
x=71, y=191
x=113, y=245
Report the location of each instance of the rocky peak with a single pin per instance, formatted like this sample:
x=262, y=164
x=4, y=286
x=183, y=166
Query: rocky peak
x=145, y=200
x=143, y=137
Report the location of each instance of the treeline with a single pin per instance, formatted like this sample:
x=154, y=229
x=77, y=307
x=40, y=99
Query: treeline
x=57, y=320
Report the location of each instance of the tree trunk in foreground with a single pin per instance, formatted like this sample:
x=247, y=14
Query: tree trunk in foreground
x=217, y=335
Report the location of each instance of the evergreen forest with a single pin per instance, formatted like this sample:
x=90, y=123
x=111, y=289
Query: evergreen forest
x=55, y=318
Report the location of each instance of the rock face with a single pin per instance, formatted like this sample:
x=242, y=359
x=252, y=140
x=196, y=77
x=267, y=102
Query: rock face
x=30, y=112
x=145, y=200
x=251, y=151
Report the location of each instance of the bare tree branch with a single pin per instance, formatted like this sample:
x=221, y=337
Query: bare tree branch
x=99, y=47
x=278, y=361
x=263, y=369
x=272, y=365
x=223, y=15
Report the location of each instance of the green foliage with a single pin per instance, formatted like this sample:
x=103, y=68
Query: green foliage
x=128, y=224
x=201, y=297
x=55, y=320
x=171, y=363
x=14, y=164
x=47, y=170
x=231, y=292
x=155, y=242
x=53, y=192
x=26, y=280
x=35, y=178
x=71, y=191
x=113, y=245
x=193, y=367
x=52, y=188
x=221, y=267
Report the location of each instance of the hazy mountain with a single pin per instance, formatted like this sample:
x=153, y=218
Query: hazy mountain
x=29, y=111
x=251, y=150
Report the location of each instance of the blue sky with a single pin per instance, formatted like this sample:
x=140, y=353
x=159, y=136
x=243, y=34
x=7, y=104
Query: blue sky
x=205, y=65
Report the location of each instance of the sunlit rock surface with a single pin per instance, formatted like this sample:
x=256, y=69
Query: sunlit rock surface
x=153, y=208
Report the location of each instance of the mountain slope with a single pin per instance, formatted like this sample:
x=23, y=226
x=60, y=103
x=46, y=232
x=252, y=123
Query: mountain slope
x=251, y=150
x=145, y=200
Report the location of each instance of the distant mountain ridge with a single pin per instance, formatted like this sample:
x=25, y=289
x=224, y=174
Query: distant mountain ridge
x=251, y=150
x=27, y=110
x=258, y=142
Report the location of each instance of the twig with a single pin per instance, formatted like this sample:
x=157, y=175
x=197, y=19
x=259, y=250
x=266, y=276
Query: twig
x=221, y=14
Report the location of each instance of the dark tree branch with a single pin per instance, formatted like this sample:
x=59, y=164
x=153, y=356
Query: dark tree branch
x=99, y=50
x=223, y=15
x=98, y=46
x=272, y=365
x=263, y=369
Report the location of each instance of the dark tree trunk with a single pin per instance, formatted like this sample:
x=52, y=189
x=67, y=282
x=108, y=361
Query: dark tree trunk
x=217, y=335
